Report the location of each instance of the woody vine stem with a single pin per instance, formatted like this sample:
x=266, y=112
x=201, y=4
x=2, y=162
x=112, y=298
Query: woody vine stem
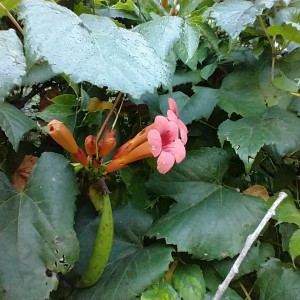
x=249, y=242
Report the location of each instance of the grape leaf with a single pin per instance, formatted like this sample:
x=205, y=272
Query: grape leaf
x=12, y=62
x=251, y=96
x=234, y=15
x=132, y=267
x=276, y=126
x=208, y=221
x=189, y=282
x=257, y=255
x=14, y=123
x=276, y=281
x=93, y=49
x=36, y=230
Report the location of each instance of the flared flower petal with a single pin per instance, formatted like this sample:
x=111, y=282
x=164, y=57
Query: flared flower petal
x=177, y=149
x=165, y=162
x=155, y=141
x=62, y=135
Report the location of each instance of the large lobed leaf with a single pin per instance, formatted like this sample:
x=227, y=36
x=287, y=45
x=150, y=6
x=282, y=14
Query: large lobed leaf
x=277, y=281
x=36, y=230
x=208, y=221
x=234, y=15
x=132, y=267
x=276, y=127
x=14, y=123
x=93, y=49
x=12, y=62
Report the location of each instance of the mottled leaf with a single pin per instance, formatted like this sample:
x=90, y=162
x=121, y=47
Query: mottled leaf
x=189, y=282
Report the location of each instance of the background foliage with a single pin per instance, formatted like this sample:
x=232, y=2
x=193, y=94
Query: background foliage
x=233, y=68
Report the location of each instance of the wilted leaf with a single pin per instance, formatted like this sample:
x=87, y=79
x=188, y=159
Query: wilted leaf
x=20, y=177
x=12, y=61
x=96, y=104
x=132, y=267
x=93, y=49
x=258, y=191
x=276, y=127
x=277, y=281
x=14, y=123
x=189, y=282
x=208, y=221
x=37, y=237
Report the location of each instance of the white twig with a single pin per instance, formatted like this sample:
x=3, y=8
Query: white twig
x=249, y=242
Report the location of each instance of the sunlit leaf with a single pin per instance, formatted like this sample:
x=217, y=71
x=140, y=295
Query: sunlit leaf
x=294, y=246
x=9, y=5
x=163, y=290
x=93, y=49
x=12, y=61
x=258, y=191
x=288, y=32
x=37, y=237
x=96, y=104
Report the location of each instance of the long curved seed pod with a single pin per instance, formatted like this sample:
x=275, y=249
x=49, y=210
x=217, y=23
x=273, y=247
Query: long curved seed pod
x=102, y=246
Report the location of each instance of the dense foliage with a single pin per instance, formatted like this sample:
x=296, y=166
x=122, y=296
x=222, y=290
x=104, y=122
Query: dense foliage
x=233, y=68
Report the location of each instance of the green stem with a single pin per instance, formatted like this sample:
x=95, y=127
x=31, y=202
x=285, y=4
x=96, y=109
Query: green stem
x=102, y=247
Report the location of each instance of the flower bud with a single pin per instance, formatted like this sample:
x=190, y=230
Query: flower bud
x=108, y=143
x=90, y=145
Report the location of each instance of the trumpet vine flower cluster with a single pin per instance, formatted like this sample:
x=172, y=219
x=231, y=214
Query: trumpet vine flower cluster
x=165, y=139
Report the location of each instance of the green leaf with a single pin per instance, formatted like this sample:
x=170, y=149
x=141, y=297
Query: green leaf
x=288, y=32
x=132, y=267
x=12, y=62
x=189, y=282
x=286, y=212
x=163, y=290
x=286, y=231
x=294, y=246
x=257, y=255
x=208, y=221
x=183, y=77
x=208, y=70
x=234, y=15
x=188, y=43
x=9, y=5
x=274, y=127
x=199, y=106
x=14, y=123
x=285, y=84
x=36, y=230
x=276, y=281
x=168, y=27
x=288, y=15
x=251, y=96
x=93, y=49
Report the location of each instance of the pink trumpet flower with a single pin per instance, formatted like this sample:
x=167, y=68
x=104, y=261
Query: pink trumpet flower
x=165, y=139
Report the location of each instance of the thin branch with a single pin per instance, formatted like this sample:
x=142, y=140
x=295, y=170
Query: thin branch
x=13, y=20
x=249, y=242
x=102, y=128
